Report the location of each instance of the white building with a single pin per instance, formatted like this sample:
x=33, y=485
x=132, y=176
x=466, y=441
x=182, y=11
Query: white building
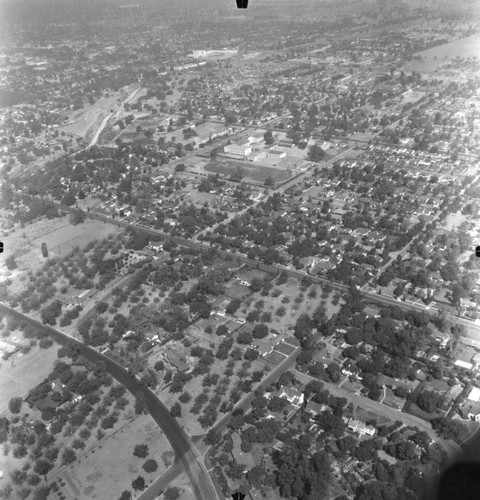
x=256, y=138
x=238, y=149
x=294, y=396
x=361, y=428
x=274, y=152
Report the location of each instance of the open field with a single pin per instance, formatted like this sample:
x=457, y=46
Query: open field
x=86, y=124
x=96, y=476
x=250, y=171
x=8, y=464
x=59, y=235
x=22, y=372
x=465, y=47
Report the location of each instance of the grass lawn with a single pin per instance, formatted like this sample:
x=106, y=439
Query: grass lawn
x=417, y=412
x=365, y=416
x=352, y=386
x=237, y=291
x=392, y=400
x=96, y=475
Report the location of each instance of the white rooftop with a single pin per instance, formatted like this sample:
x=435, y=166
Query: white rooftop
x=474, y=394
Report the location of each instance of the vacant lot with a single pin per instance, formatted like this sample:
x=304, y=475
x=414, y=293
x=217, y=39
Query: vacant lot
x=249, y=171
x=109, y=468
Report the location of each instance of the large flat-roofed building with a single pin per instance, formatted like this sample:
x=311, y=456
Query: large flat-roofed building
x=209, y=131
x=276, y=153
x=204, y=54
x=238, y=149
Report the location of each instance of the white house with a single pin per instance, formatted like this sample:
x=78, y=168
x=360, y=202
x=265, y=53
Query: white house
x=361, y=428
x=294, y=396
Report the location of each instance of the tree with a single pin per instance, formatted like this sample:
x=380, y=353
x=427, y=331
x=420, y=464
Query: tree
x=141, y=450
x=42, y=493
x=77, y=218
x=180, y=167
x=269, y=181
x=176, y=410
x=69, y=199
x=429, y=400
x=68, y=456
x=159, y=365
x=172, y=493
x=260, y=331
x=222, y=330
x=212, y=437
x=138, y=483
x=244, y=337
x=44, y=250
x=15, y=405
x=256, y=285
x=42, y=467
x=233, y=306
x=185, y=397
x=268, y=137
x=316, y=153
x=126, y=495
x=150, y=465
x=214, y=153
x=11, y=263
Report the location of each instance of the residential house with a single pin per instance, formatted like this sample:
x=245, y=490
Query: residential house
x=176, y=359
x=361, y=428
x=314, y=408
x=292, y=395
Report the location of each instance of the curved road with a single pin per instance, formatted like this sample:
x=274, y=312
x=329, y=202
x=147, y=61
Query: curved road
x=185, y=452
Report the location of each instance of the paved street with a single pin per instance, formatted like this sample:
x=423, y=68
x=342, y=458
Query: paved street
x=185, y=453
x=382, y=410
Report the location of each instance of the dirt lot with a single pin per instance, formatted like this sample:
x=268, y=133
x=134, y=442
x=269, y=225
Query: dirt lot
x=96, y=476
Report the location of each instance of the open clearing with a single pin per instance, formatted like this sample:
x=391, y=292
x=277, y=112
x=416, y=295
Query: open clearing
x=96, y=476
x=86, y=124
x=21, y=373
x=465, y=47
x=59, y=235
x=249, y=171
